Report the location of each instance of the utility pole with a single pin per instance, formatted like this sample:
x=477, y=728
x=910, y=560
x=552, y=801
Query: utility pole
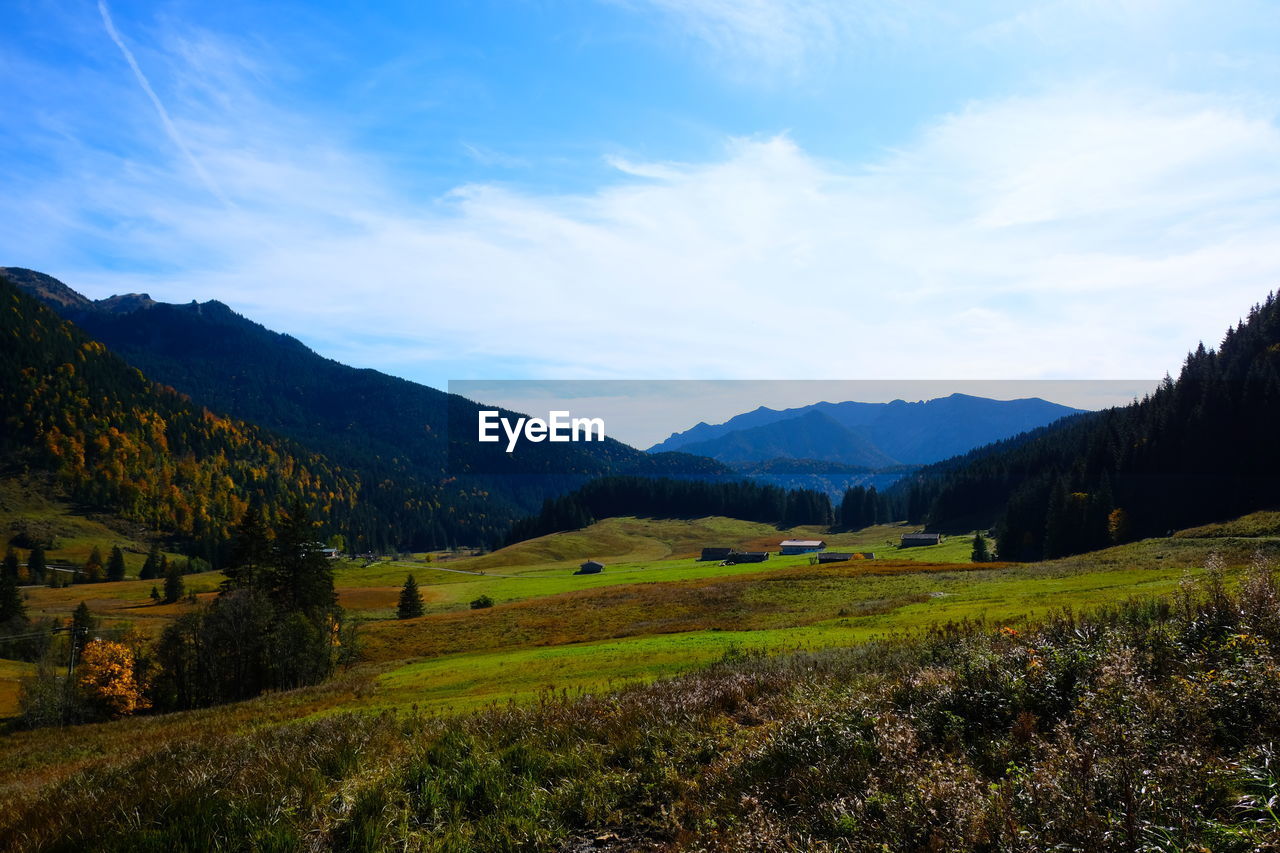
x=71, y=670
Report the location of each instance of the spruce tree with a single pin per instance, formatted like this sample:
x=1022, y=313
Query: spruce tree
x=151, y=567
x=9, y=568
x=36, y=567
x=300, y=577
x=980, y=552
x=83, y=622
x=115, y=564
x=410, y=600
x=93, y=566
x=12, y=608
x=250, y=551
x=173, y=585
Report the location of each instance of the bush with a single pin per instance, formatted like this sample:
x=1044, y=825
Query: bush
x=481, y=602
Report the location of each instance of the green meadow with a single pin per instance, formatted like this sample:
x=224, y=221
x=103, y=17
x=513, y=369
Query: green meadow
x=656, y=610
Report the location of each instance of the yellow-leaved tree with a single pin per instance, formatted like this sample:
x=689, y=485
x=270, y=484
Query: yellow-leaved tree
x=106, y=679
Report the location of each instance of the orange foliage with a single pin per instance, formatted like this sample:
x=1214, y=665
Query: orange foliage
x=106, y=678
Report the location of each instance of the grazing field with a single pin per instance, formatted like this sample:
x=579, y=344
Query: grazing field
x=654, y=612
x=11, y=674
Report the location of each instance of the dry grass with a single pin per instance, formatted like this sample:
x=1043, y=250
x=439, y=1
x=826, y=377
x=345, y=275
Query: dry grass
x=769, y=599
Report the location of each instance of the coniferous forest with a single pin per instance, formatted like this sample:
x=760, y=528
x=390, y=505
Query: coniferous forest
x=1200, y=448
x=670, y=498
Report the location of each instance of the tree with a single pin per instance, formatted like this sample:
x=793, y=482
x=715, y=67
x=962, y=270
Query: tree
x=980, y=552
x=9, y=568
x=107, y=681
x=12, y=608
x=93, y=567
x=410, y=600
x=300, y=577
x=250, y=551
x=151, y=567
x=115, y=564
x=1118, y=526
x=155, y=594
x=83, y=622
x=36, y=567
x=173, y=585
x=481, y=603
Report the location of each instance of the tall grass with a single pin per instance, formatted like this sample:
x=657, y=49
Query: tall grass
x=1147, y=726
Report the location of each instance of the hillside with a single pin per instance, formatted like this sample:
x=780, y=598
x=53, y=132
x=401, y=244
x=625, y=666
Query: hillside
x=782, y=683
x=116, y=441
x=874, y=435
x=422, y=490
x=1199, y=449
x=812, y=435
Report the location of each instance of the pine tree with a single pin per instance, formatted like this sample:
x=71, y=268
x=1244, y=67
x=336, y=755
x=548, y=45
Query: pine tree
x=115, y=564
x=83, y=622
x=36, y=567
x=250, y=551
x=980, y=552
x=151, y=567
x=410, y=600
x=173, y=585
x=155, y=594
x=300, y=577
x=93, y=566
x=9, y=568
x=12, y=607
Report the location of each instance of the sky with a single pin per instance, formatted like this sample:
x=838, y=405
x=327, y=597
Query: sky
x=661, y=189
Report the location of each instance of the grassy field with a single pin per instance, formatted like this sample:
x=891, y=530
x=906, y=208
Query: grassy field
x=29, y=505
x=654, y=611
x=11, y=675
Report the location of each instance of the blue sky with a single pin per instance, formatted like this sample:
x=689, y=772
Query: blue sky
x=661, y=188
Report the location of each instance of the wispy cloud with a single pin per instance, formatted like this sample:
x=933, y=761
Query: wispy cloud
x=1086, y=229
x=783, y=35
x=169, y=127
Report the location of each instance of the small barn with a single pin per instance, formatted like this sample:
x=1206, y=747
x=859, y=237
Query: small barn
x=802, y=546
x=716, y=554
x=915, y=540
x=590, y=567
x=844, y=556
x=748, y=556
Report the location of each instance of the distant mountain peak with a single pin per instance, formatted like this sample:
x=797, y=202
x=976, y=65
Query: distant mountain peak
x=870, y=434
x=46, y=288
x=63, y=298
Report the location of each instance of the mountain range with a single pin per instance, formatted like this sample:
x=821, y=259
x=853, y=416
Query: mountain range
x=388, y=463
x=417, y=487
x=867, y=435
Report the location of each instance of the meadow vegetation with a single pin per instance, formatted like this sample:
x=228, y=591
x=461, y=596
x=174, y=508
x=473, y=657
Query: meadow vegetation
x=1148, y=724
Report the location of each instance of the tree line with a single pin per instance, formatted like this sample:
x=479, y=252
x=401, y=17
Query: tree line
x=274, y=624
x=1198, y=449
x=609, y=497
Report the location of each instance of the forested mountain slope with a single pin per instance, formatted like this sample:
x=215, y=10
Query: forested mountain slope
x=1199, y=449
x=116, y=440
x=421, y=490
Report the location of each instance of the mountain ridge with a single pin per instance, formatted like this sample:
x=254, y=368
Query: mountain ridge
x=897, y=432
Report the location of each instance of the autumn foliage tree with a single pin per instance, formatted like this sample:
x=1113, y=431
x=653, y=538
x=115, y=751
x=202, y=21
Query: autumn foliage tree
x=107, y=681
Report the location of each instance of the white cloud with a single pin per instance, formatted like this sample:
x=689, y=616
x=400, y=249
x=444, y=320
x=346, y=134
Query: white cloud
x=1084, y=231
x=782, y=35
